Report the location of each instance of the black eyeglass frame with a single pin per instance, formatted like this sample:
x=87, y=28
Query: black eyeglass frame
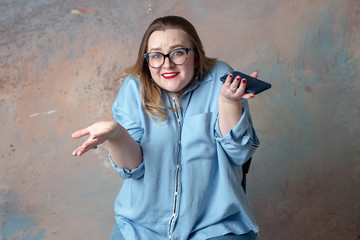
x=168, y=56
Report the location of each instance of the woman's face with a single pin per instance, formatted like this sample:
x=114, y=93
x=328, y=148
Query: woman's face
x=171, y=77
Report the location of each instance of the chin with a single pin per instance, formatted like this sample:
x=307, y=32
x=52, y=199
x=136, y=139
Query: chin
x=173, y=89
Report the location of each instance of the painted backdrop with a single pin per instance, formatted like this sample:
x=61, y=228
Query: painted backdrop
x=59, y=64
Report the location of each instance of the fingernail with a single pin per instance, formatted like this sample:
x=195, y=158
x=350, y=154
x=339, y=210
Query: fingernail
x=230, y=75
x=244, y=81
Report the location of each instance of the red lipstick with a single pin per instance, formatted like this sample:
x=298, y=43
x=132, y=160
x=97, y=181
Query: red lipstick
x=169, y=75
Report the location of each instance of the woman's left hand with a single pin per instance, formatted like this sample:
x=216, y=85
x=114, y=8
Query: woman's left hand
x=232, y=91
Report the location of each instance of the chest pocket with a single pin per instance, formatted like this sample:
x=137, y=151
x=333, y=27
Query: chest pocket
x=198, y=137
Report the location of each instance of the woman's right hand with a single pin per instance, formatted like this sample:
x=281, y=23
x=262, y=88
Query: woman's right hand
x=98, y=133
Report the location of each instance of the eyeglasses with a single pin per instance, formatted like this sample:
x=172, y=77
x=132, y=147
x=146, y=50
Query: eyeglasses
x=177, y=56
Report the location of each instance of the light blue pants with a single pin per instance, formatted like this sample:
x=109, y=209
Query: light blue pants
x=116, y=235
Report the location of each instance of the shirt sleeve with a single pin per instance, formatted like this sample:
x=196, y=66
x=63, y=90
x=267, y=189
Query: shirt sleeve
x=127, y=110
x=136, y=173
x=240, y=142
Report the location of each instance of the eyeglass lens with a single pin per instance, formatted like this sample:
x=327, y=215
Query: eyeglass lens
x=177, y=57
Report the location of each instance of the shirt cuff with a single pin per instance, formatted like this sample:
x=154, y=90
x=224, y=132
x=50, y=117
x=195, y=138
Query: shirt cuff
x=135, y=173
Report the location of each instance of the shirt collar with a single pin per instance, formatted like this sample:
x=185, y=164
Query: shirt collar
x=196, y=82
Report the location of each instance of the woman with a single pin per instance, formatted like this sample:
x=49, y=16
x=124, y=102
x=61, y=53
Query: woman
x=179, y=138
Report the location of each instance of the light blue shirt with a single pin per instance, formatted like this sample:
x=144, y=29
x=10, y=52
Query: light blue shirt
x=189, y=183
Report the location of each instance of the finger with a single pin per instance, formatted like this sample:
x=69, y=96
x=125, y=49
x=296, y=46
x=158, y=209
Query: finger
x=255, y=74
x=228, y=79
x=248, y=95
x=77, y=152
x=235, y=83
x=89, y=144
x=242, y=86
x=80, y=133
x=83, y=149
x=80, y=151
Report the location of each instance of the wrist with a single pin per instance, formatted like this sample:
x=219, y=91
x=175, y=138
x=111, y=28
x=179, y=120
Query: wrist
x=229, y=102
x=117, y=131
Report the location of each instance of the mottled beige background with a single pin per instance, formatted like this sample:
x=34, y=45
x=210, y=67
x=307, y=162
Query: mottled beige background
x=59, y=61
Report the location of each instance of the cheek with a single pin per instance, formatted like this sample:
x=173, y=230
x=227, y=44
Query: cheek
x=190, y=68
x=154, y=73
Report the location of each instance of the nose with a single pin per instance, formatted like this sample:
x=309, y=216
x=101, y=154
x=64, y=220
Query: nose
x=167, y=62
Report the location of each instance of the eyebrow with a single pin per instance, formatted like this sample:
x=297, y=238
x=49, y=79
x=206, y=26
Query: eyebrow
x=171, y=47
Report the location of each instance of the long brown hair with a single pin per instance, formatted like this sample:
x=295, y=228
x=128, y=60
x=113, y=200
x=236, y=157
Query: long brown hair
x=151, y=92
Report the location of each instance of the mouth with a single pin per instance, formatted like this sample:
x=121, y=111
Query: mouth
x=169, y=75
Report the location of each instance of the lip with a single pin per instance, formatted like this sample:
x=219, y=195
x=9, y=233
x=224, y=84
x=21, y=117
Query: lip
x=170, y=75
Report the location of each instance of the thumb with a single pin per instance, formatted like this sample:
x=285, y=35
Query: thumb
x=254, y=74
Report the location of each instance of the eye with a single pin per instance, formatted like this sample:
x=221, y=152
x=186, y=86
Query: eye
x=178, y=53
x=155, y=56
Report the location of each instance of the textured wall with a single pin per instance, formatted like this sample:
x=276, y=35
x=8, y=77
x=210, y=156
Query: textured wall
x=59, y=61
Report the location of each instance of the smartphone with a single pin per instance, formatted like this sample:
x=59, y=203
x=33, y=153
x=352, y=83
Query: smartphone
x=253, y=85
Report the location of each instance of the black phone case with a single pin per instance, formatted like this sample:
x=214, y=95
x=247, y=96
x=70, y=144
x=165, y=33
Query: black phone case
x=253, y=85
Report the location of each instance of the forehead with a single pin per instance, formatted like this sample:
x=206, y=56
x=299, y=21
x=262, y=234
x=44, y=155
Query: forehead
x=165, y=40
